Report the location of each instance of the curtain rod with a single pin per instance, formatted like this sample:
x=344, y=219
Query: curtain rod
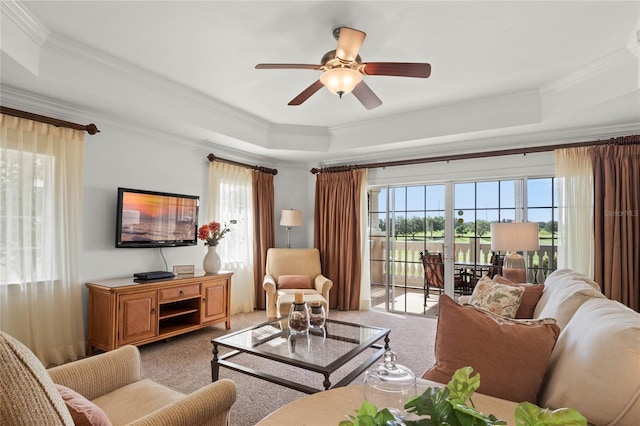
x=622, y=140
x=213, y=158
x=89, y=128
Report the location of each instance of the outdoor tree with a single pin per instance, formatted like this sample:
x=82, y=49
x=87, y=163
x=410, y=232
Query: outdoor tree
x=482, y=227
x=415, y=225
x=400, y=226
x=465, y=228
x=551, y=226
x=435, y=224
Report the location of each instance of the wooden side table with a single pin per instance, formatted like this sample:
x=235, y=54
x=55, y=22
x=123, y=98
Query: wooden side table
x=332, y=406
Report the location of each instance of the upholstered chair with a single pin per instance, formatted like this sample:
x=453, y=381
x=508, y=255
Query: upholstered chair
x=289, y=271
x=103, y=389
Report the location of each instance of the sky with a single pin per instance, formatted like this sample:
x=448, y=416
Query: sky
x=492, y=201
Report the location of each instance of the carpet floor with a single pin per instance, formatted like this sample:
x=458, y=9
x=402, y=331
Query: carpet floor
x=184, y=362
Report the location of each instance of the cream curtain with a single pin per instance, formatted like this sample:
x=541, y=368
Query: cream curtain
x=574, y=184
x=230, y=197
x=40, y=237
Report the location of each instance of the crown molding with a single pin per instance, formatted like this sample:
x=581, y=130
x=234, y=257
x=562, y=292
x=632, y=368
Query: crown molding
x=633, y=42
x=238, y=155
x=450, y=146
x=604, y=64
x=111, y=66
x=43, y=105
x=24, y=19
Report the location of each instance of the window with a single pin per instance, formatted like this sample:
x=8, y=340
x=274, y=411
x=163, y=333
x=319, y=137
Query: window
x=230, y=198
x=20, y=215
x=235, y=204
x=405, y=220
x=40, y=240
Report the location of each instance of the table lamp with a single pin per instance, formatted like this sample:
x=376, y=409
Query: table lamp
x=513, y=237
x=290, y=218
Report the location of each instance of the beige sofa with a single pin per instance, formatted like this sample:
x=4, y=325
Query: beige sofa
x=291, y=262
x=595, y=364
x=112, y=381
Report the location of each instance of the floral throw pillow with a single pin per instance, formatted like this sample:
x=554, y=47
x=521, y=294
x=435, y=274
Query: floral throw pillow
x=500, y=299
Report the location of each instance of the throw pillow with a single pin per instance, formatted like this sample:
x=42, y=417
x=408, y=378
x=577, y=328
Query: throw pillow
x=294, y=281
x=511, y=356
x=497, y=298
x=83, y=411
x=530, y=297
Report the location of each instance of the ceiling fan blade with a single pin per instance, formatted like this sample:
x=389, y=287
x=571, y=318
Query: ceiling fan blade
x=366, y=96
x=349, y=43
x=287, y=66
x=306, y=93
x=398, y=69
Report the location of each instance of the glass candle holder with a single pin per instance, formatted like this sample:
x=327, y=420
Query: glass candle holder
x=298, y=316
x=317, y=316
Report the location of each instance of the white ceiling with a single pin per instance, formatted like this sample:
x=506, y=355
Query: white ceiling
x=503, y=73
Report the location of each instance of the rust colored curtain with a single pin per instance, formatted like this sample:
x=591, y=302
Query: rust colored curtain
x=616, y=169
x=337, y=234
x=264, y=234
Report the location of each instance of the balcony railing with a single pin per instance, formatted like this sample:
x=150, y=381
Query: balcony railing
x=406, y=267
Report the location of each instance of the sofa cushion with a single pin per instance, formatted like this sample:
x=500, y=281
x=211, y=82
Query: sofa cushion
x=294, y=281
x=27, y=393
x=564, y=291
x=595, y=366
x=530, y=297
x=83, y=411
x=510, y=355
x=136, y=400
x=497, y=298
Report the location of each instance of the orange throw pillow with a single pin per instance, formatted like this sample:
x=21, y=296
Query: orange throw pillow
x=294, y=281
x=510, y=355
x=530, y=297
x=83, y=412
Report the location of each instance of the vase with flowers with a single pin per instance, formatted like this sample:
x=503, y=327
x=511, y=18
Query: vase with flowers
x=211, y=233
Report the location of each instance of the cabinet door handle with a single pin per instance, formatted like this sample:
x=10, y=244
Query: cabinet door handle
x=204, y=300
x=153, y=311
x=181, y=293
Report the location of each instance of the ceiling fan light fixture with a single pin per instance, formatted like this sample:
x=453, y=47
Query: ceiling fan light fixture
x=340, y=81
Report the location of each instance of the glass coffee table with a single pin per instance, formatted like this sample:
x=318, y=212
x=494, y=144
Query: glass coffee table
x=322, y=351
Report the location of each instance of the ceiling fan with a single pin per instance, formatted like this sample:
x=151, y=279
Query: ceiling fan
x=342, y=70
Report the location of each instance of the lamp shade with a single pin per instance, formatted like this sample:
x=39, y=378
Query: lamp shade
x=514, y=236
x=340, y=81
x=290, y=217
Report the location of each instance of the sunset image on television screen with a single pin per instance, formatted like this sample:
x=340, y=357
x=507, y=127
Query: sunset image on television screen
x=148, y=217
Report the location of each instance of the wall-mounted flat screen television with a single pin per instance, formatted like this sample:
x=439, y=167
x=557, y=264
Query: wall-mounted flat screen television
x=156, y=219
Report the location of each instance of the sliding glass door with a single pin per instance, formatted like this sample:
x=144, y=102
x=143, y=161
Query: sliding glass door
x=452, y=220
x=403, y=222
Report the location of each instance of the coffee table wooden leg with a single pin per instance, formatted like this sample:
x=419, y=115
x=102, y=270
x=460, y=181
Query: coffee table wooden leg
x=215, y=367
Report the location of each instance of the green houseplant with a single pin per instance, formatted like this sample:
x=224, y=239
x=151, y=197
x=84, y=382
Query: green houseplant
x=452, y=405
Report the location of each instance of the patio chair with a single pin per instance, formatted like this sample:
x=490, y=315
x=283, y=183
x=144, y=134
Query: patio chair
x=433, y=273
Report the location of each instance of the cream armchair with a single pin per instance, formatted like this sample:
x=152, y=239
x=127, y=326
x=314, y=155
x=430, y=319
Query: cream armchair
x=294, y=262
x=111, y=381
